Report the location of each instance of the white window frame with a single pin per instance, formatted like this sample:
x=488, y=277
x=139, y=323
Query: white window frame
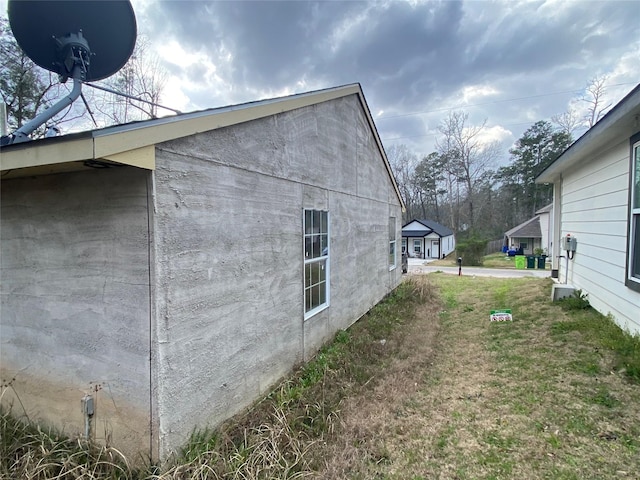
x=404, y=245
x=419, y=244
x=633, y=246
x=313, y=240
x=392, y=243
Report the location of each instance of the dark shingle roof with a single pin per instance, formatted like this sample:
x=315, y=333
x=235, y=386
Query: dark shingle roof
x=528, y=229
x=430, y=226
x=436, y=227
x=416, y=233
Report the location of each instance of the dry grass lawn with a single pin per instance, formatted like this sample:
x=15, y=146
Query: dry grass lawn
x=466, y=398
x=422, y=387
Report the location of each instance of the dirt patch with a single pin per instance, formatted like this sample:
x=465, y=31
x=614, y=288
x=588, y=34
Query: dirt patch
x=371, y=419
x=116, y=423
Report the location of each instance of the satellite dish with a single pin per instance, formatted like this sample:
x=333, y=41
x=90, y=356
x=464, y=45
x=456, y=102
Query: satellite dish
x=47, y=31
x=80, y=39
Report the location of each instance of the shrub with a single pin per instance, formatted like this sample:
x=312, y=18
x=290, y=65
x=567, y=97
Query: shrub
x=472, y=250
x=577, y=301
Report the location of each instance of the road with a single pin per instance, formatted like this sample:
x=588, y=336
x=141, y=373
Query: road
x=418, y=266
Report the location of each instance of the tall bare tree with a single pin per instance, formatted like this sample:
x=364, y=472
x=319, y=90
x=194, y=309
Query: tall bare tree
x=143, y=77
x=594, y=97
x=567, y=122
x=403, y=164
x=467, y=158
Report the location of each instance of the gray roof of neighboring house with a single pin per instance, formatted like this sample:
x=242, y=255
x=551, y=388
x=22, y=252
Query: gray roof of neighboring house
x=528, y=229
x=416, y=233
x=432, y=226
x=436, y=227
x=545, y=209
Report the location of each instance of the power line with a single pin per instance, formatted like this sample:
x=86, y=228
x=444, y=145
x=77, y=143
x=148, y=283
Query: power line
x=436, y=134
x=492, y=102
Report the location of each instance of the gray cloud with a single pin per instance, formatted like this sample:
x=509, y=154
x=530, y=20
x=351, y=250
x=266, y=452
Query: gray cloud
x=421, y=57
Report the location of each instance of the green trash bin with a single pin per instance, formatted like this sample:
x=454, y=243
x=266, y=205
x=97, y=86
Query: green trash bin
x=541, y=262
x=531, y=262
x=521, y=262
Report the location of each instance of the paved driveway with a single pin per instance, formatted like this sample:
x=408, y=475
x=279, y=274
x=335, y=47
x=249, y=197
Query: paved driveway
x=418, y=266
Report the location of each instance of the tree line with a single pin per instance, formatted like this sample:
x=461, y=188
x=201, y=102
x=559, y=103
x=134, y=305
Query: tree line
x=459, y=184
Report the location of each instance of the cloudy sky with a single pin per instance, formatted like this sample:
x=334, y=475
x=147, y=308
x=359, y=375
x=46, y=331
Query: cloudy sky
x=510, y=62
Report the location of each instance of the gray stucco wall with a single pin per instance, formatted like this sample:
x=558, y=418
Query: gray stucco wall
x=229, y=250
x=74, y=310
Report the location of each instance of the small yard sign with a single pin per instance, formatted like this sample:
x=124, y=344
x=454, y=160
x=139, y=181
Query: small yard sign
x=501, y=315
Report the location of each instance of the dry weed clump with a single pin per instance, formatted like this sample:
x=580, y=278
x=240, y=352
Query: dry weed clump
x=29, y=452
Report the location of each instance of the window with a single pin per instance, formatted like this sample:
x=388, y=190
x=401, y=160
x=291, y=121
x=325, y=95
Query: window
x=633, y=262
x=392, y=243
x=417, y=245
x=404, y=245
x=316, y=261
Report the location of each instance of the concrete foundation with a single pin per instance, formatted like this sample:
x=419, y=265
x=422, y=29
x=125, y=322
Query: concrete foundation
x=561, y=290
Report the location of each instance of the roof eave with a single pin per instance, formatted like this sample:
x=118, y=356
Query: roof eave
x=622, y=120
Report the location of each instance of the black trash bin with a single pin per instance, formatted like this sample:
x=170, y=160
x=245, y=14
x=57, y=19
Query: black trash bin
x=541, y=262
x=531, y=261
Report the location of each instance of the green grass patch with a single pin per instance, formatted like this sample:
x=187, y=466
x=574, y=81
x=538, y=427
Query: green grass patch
x=602, y=334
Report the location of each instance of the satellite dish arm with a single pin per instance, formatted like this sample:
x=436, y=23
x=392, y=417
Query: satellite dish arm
x=22, y=134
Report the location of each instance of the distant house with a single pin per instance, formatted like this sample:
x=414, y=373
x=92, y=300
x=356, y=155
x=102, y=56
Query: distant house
x=532, y=234
x=427, y=239
x=175, y=268
x=597, y=202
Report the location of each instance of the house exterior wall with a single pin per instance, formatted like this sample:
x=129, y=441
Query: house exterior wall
x=546, y=223
x=75, y=300
x=594, y=203
x=229, y=254
x=532, y=244
x=448, y=245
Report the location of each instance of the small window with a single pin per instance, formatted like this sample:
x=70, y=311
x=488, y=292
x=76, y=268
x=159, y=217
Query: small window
x=404, y=245
x=316, y=261
x=523, y=245
x=417, y=245
x=633, y=262
x=392, y=243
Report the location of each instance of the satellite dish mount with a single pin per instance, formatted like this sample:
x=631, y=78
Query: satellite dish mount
x=73, y=51
x=62, y=48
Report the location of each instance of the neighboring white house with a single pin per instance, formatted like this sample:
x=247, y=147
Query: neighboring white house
x=427, y=239
x=597, y=202
x=175, y=268
x=532, y=234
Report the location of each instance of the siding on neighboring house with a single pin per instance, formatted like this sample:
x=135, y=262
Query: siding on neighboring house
x=546, y=222
x=594, y=210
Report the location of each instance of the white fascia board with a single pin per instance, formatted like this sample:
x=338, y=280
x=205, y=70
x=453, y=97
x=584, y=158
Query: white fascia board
x=52, y=153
